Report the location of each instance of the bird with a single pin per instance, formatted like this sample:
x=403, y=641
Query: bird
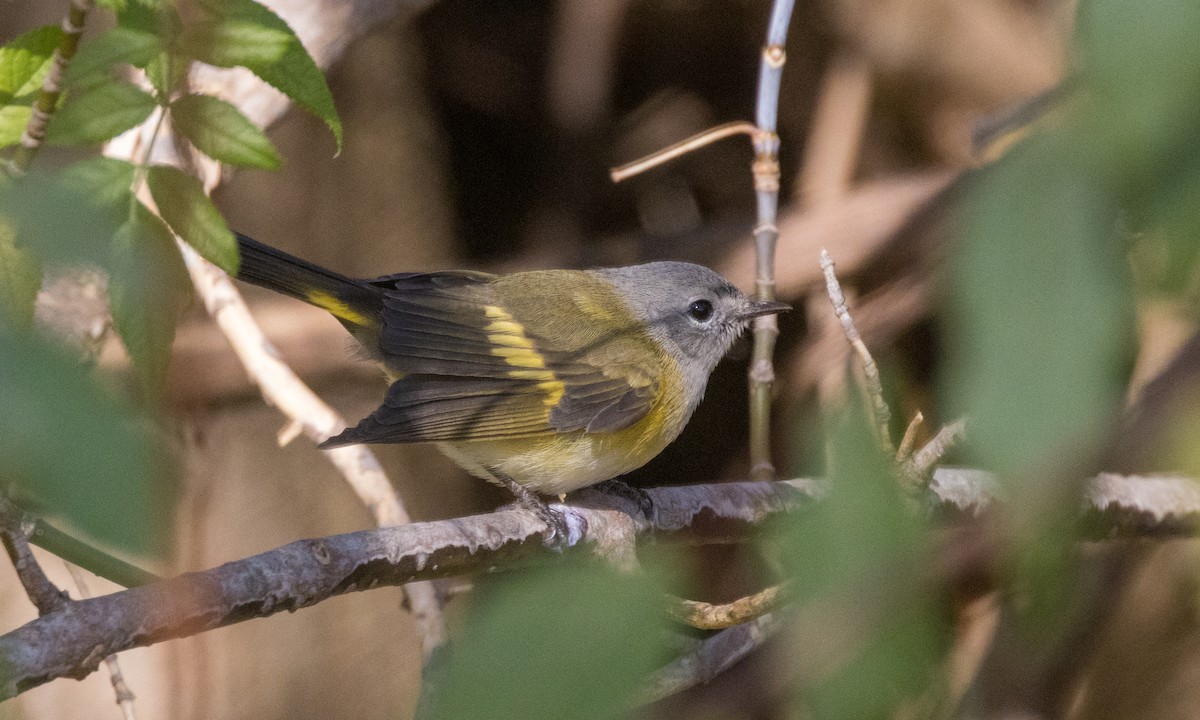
x=543, y=381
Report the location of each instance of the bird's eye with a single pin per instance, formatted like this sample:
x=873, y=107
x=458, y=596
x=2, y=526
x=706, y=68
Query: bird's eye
x=700, y=310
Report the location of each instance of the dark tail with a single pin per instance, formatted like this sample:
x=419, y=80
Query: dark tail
x=351, y=301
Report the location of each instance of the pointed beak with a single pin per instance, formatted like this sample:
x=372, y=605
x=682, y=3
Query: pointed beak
x=761, y=307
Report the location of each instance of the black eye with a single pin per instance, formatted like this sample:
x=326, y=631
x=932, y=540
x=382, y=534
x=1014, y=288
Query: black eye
x=700, y=310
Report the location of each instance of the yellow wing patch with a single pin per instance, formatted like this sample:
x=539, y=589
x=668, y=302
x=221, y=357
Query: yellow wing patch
x=337, y=308
x=507, y=340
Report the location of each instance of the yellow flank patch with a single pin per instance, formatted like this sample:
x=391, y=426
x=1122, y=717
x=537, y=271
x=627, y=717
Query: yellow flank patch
x=338, y=308
x=507, y=340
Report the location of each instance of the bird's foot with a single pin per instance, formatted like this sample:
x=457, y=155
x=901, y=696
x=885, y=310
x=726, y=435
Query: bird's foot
x=558, y=535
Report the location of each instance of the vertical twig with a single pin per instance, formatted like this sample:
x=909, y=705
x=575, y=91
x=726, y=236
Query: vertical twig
x=14, y=536
x=124, y=695
x=882, y=414
x=766, y=233
x=52, y=86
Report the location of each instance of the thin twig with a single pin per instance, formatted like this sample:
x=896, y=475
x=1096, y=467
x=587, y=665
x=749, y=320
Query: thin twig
x=710, y=658
x=683, y=147
x=706, y=616
x=13, y=534
x=910, y=437
x=124, y=695
x=920, y=465
x=879, y=406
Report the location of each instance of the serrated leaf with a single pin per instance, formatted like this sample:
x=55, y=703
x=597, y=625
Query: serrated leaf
x=221, y=131
x=25, y=61
x=20, y=278
x=147, y=287
x=182, y=203
x=98, y=57
x=246, y=33
x=13, y=120
x=72, y=452
x=99, y=114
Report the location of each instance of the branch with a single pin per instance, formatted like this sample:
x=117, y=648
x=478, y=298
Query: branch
x=71, y=642
x=14, y=535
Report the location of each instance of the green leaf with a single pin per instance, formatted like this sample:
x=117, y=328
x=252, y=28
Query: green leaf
x=223, y=133
x=13, y=120
x=182, y=203
x=69, y=217
x=98, y=57
x=1040, y=307
x=232, y=43
x=25, y=61
x=73, y=452
x=167, y=73
x=147, y=287
x=20, y=278
x=243, y=32
x=573, y=641
x=99, y=114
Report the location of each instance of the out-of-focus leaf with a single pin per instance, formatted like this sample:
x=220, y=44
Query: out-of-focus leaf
x=167, y=73
x=557, y=643
x=147, y=287
x=246, y=33
x=71, y=451
x=182, y=203
x=100, y=113
x=1040, y=307
x=20, y=279
x=98, y=57
x=860, y=552
x=70, y=216
x=222, y=132
x=25, y=61
x=13, y=120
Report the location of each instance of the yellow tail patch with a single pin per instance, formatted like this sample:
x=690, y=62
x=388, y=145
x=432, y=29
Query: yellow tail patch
x=337, y=307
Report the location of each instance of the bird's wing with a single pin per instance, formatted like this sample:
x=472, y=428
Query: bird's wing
x=470, y=370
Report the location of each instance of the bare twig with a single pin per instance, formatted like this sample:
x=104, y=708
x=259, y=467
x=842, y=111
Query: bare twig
x=710, y=658
x=910, y=437
x=706, y=616
x=880, y=410
x=922, y=463
x=13, y=533
x=124, y=695
x=683, y=147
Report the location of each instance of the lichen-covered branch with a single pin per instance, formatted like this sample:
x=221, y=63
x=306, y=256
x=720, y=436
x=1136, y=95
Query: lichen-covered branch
x=72, y=641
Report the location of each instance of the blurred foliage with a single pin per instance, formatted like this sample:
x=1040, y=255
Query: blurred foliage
x=855, y=561
x=575, y=640
x=75, y=452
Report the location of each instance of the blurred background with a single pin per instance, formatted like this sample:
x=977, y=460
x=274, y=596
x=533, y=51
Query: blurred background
x=479, y=135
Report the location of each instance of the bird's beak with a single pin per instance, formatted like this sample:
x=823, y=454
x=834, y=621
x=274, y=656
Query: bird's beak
x=762, y=307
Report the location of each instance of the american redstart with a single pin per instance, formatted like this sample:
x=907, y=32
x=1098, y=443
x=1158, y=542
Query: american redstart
x=544, y=381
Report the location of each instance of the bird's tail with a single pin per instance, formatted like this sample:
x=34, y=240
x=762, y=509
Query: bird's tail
x=351, y=301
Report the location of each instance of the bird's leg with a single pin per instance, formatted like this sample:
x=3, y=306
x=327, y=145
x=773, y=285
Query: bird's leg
x=619, y=488
x=557, y=532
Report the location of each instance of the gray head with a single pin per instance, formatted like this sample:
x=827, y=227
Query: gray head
x=690, y=309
